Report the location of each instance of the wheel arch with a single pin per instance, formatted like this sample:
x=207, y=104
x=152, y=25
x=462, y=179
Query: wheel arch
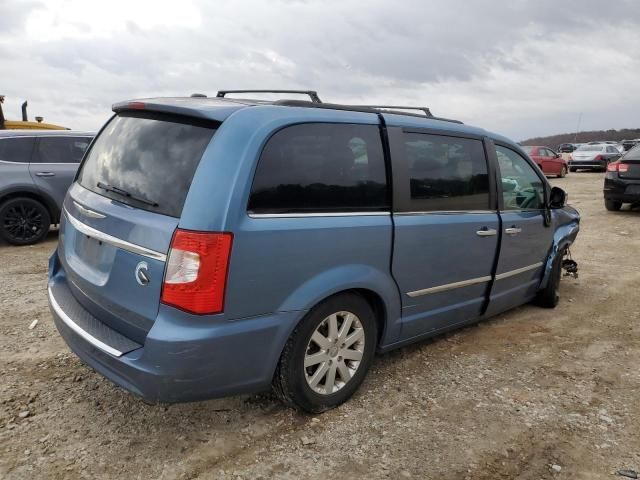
x=34, y=194
x=376, y=287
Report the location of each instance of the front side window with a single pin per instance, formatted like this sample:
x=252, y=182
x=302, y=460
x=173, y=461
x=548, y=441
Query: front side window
x=16, y=149
x=321, y=168
x=522, y=188
x=446, y=173
x=61, y=149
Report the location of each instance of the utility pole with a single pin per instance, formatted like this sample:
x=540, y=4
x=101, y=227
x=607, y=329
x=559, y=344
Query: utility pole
x=575, y=138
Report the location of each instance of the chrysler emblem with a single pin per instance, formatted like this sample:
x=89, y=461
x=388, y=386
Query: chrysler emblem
x=142, y=274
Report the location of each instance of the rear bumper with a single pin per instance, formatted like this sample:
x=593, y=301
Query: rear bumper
x=587, y=164
x=180, y=360
x=621, y=190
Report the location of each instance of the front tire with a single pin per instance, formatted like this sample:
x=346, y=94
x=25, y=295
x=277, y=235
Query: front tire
x=328, y=354
x=612, y=205
x=573, y=169
x=549, y=297
x=23, y=221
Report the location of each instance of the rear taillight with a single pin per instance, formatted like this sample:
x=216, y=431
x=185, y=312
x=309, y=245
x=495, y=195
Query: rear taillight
x=618, y=167
x=598, y=158
x=196, y=274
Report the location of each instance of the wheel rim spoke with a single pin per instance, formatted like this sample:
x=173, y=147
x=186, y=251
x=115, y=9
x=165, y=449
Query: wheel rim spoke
x=320, y=340
x=319, y=374
x=353, y=338
x=333, y=327
x=346, y=326
x=351, y=355
x=344, y=371
x=330, y=381
x=316, y=358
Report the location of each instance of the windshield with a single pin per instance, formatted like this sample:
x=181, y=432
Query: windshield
x=527, y=149
x=591, y=148
x=146, y=161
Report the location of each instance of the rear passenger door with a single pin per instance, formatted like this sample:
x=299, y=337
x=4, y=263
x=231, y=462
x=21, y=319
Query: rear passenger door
x=54, y=163
x=525, y=239
x=446, y=227
x=15, y=155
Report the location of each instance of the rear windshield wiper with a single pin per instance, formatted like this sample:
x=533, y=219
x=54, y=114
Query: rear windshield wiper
x=124, y=193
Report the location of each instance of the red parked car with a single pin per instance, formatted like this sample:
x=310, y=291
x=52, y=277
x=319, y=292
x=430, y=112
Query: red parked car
x=549, y=161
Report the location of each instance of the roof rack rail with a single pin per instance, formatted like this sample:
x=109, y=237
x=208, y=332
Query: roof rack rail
x=426, y=110
x=359, y=108
x=313, y=95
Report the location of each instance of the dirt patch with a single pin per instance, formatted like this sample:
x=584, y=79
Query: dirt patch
x=509, y=398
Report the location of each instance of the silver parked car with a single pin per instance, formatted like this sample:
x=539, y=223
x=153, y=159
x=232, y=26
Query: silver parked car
x=36, y=169
x=593, y=157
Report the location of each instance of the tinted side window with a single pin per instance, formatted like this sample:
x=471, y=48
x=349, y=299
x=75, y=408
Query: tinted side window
x=61, y=149
x=16, y=149
x=321, y=168
x=522, y=188
x=446, y=173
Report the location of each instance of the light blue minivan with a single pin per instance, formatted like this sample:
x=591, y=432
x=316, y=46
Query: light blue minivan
x=216, y=246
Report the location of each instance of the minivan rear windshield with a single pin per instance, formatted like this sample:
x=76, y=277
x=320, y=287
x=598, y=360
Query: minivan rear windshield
x=146, y=160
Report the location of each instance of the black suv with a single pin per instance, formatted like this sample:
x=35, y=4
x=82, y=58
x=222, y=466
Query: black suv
x=36, y=169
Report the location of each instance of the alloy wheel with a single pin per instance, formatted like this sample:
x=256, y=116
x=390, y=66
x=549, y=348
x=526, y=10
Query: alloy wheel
x=23, y=222
x=334, y=352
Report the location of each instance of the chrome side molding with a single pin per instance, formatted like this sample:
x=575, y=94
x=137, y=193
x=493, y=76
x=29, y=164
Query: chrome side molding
x=472, y=281
x=111, y=240
x=518, y=271
x=320, y=214
x=449, y=286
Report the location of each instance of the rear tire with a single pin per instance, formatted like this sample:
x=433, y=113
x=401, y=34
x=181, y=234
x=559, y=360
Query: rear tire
x=24, y=221
x=316, y=378
x=612, y=205
x=573, y=169
x=563, y=172
x=548, y=297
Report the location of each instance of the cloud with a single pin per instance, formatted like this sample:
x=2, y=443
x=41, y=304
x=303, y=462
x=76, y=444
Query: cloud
x=518, y=67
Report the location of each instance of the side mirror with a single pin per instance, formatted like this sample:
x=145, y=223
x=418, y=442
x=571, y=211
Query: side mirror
x=557, y=198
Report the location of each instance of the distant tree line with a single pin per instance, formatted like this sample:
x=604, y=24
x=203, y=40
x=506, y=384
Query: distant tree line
x=583, y=137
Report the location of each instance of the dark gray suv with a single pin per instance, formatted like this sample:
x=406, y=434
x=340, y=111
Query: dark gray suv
x=36, y=169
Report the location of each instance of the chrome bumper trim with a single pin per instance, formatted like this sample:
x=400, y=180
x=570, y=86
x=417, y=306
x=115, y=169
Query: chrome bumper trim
x=111, y=240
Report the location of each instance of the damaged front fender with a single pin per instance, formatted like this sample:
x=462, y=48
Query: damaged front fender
x=567, y=221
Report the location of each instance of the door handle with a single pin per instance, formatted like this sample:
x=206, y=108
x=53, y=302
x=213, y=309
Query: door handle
x=512, y=230
x=486, y=232
x=45, y=174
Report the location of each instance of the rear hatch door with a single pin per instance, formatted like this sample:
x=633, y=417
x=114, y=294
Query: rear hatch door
x=633, y=171
x=586, y=155
x=121, y=213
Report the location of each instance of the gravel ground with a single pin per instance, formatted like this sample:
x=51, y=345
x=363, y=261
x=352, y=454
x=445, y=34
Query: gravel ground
x=530, y=394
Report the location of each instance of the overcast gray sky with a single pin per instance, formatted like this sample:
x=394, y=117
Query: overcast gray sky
x=521, y=68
